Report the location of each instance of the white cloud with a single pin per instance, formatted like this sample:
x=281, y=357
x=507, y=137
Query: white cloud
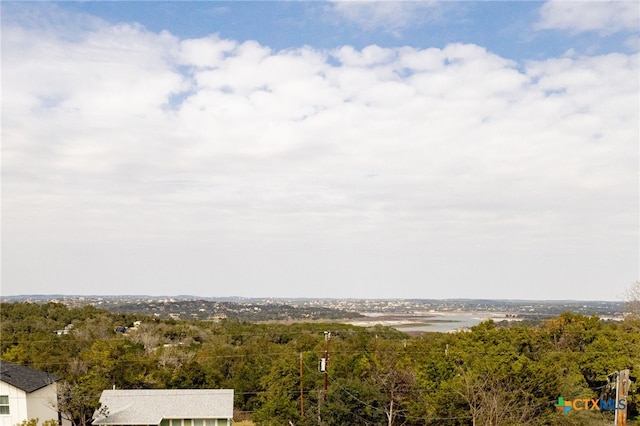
x=606, y=17
x=204, y=52
x=451, y=153
x=391, y=16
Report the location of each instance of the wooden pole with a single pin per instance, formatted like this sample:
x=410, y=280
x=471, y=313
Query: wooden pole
x=615, y=405
x=622, y=392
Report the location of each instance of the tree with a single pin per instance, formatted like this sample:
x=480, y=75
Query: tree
x=491, y=375
x=393, y=373
x=633, y=299
x=492, y=400
x=353, y=402
x=30, y=422
x=77, y=402
x=148, y=335
x=280, y=399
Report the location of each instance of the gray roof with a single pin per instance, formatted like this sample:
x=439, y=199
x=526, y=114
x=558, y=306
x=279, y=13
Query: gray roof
x=150, y=406
x=25, y=378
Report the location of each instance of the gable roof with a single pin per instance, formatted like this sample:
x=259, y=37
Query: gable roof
x=150, y=406
x=25, y=378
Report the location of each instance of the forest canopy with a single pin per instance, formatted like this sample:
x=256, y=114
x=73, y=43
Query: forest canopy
x=489, y=375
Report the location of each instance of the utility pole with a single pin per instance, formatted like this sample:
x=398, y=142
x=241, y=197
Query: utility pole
x=301, y=390
x=622, y=389
x=615, y=406
x=327, y=336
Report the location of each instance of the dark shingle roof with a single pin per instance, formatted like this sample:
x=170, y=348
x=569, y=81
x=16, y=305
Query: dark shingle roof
x=25, y=378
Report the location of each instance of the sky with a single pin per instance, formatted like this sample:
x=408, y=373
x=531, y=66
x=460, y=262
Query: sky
x=322, y=149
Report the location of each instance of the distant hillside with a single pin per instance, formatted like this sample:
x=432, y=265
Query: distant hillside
x=191, y=307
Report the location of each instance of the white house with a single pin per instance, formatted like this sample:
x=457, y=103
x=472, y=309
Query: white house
x=165, y=407
x=27, y=394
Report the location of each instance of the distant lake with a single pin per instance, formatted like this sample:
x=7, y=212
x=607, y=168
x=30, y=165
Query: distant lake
x=442, y=322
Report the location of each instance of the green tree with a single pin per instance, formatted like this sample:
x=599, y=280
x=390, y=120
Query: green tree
x=353, y=402
x=280, y=399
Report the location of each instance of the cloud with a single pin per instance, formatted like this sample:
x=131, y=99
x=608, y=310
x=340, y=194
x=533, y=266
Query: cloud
x=204, y=52
x=390, y=16
x=605, y=17
x=120, y=140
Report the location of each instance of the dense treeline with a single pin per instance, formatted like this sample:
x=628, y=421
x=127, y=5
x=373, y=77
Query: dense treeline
x=378, y=376
x=247, y=311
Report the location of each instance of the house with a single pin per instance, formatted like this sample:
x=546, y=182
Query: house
x=165, y=407
x=27, y=394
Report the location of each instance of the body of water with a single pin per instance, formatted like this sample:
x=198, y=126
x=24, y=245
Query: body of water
x=443, y=322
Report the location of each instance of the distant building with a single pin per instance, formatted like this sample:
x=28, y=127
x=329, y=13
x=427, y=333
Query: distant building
x=165, y=407
x=27, y=394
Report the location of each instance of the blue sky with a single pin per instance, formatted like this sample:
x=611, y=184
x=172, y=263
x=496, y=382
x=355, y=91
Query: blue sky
x=508, y=28
x=321, y=149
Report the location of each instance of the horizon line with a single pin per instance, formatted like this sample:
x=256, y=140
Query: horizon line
x=196, y=297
